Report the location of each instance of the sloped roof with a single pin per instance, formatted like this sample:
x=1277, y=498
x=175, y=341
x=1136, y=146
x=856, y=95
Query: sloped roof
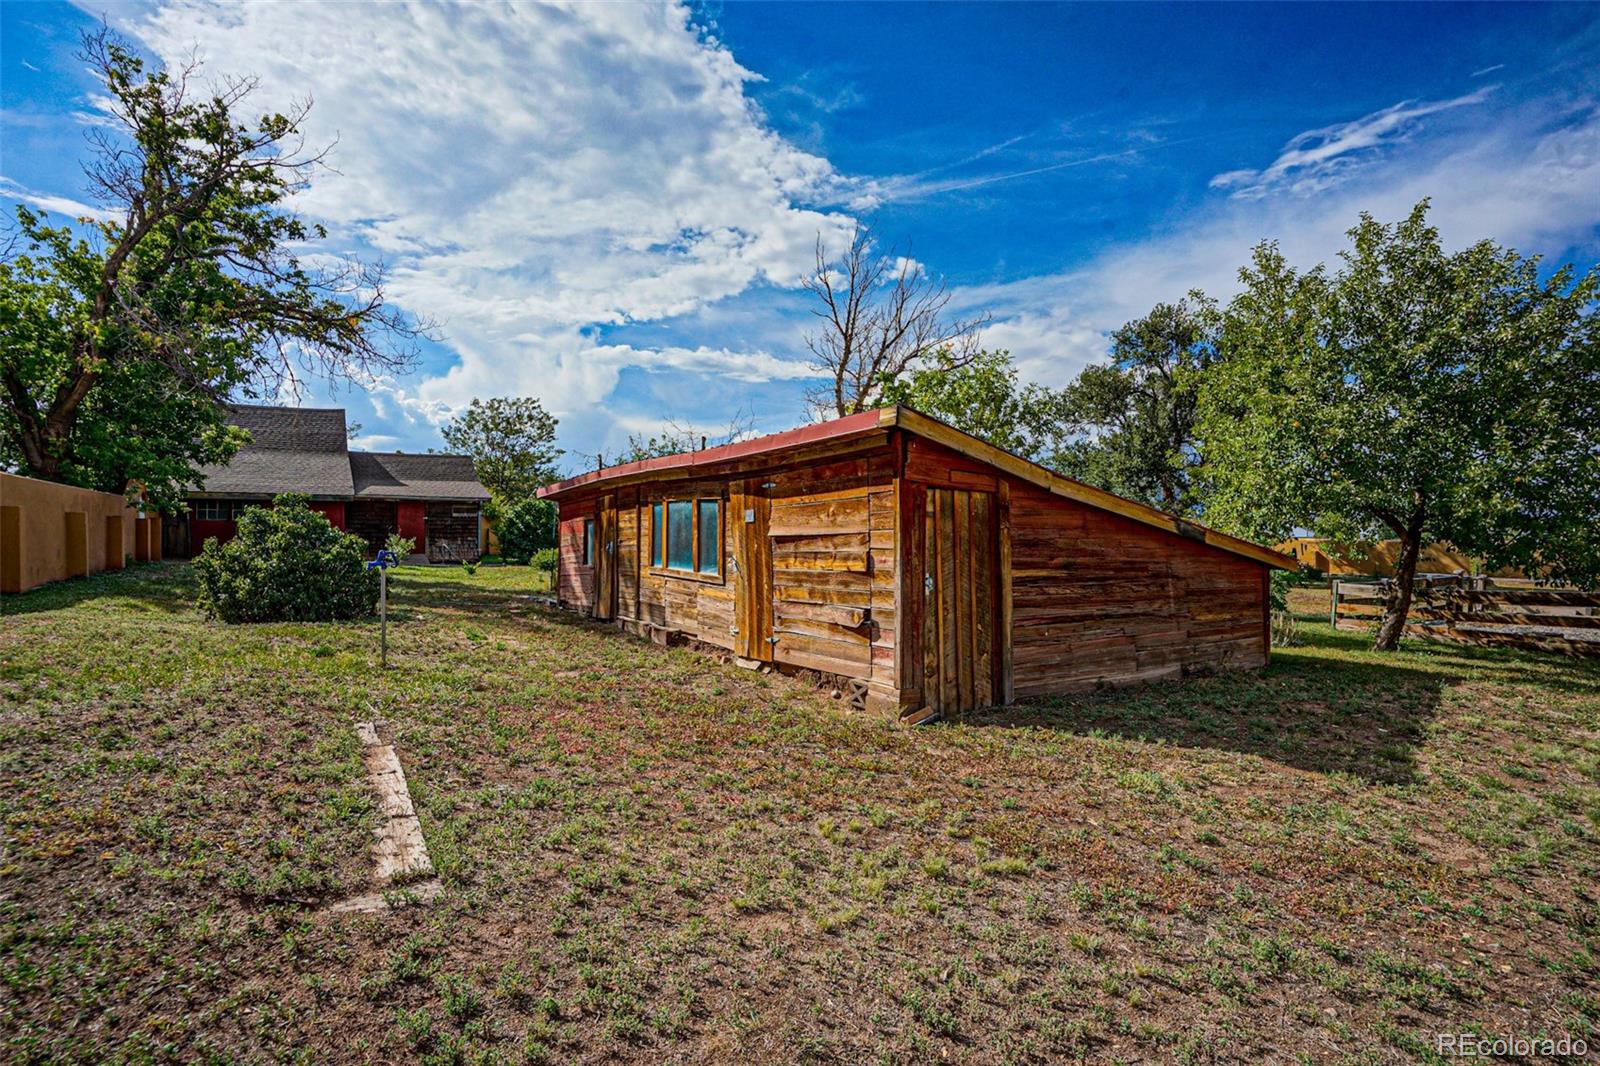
x=415, y=477
x=869, y=424
x=291, y=449
x=305, y=449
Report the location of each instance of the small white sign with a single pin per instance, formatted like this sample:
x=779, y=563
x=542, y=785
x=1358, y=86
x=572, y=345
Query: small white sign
x=749, y=514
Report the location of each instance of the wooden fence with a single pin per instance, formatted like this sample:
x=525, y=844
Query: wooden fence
x=1460, y=609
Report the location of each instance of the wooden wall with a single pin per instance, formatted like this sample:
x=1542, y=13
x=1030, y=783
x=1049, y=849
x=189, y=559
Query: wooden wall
x=1100, y=598
x=697, y=605
x=831, y=544
x=574, y=581
x=832, y=536
x=453, y=534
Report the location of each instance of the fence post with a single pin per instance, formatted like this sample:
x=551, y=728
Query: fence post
x=1333, y=606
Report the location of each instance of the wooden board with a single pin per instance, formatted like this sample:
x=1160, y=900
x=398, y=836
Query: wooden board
x=748, y=513
x=1097, y=598
x=1008, y=689
x=605, y=558
x=958, y=628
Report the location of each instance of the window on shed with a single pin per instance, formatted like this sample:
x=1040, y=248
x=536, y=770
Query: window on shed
x=658, y=535
x=680, y=535
x=588, y=542
x=710, y=536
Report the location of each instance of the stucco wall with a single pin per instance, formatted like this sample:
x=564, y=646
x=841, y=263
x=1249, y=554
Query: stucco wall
x=41, y=524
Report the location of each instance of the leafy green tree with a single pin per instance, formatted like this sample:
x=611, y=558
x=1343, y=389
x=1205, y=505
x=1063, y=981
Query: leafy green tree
x=980, y=394
x=526, y=528
x=1415, y=394
x=120, y=337
x=1135, y=413
x=512, y=443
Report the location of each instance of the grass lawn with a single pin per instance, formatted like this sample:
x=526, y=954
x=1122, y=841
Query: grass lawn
x=651, y=856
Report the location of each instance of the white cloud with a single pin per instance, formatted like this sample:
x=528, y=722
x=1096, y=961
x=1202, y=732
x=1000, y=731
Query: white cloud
x=61, y=205
x=1528, y=181
x=530, y=173
x=1315, y=159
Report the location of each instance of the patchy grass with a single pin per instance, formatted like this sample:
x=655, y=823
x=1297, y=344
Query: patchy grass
x=649, y=856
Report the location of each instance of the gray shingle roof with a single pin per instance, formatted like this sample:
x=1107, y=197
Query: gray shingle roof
x=305, y=449
x=415, y=477
x=291, y=449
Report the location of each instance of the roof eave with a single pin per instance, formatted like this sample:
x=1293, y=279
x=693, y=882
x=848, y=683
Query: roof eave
x=839, y=430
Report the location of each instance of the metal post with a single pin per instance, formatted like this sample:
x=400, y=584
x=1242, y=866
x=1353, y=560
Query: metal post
x=384, y=560
x=383, y=616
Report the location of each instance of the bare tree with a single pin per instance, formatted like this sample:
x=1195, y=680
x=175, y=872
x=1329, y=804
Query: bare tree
x=882, y=315
x=677, y=438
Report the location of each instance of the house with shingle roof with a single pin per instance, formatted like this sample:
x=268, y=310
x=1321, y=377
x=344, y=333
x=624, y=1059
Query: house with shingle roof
x=436, y=500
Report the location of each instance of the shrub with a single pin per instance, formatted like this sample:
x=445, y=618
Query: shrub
x=545, y=559
x=525, y=528
x=1278, y=589
x=401, y=546
x=286, y=564
x=469, y=568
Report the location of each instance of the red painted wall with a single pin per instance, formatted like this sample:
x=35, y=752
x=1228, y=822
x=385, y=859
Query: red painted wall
x=409, y=517
x=199, y=531
x=334, y=509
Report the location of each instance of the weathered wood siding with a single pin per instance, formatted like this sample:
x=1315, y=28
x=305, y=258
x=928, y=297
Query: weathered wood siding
x=826, y=571
x=452, y=533
x=836, y=556
x=832, y=532
x=1096, y=597
x=574, y=581
x=697, y=605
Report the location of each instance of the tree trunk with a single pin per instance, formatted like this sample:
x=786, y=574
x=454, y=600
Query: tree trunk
x=1399, y=605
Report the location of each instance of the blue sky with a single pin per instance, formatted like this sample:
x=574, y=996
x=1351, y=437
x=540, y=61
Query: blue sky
x=609, y=206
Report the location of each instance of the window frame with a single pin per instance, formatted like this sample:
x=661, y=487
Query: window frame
x=586, y=543
x=660, y=538
x=658, y=534
x=232, y=508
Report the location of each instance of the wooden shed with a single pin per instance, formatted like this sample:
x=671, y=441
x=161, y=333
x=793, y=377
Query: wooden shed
x=928, y=570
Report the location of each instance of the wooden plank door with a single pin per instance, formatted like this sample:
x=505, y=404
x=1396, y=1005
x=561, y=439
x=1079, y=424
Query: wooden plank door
x=959, y=660
x=749, y=512
x=605, y=559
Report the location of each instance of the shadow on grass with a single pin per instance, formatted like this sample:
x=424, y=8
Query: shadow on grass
x=462, y=594
x=1331, y=706
x=167, y=587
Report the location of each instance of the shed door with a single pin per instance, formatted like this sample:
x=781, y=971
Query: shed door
x=749, y=510
x=958, y=631
x=605, y=559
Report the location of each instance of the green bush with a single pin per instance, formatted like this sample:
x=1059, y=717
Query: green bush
x=1278, y=590
x=546, y=559
x=401, y=546
x=525, y=528
x=286, y=564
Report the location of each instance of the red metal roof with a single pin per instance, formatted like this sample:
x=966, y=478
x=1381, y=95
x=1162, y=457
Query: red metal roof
x=817, y=432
